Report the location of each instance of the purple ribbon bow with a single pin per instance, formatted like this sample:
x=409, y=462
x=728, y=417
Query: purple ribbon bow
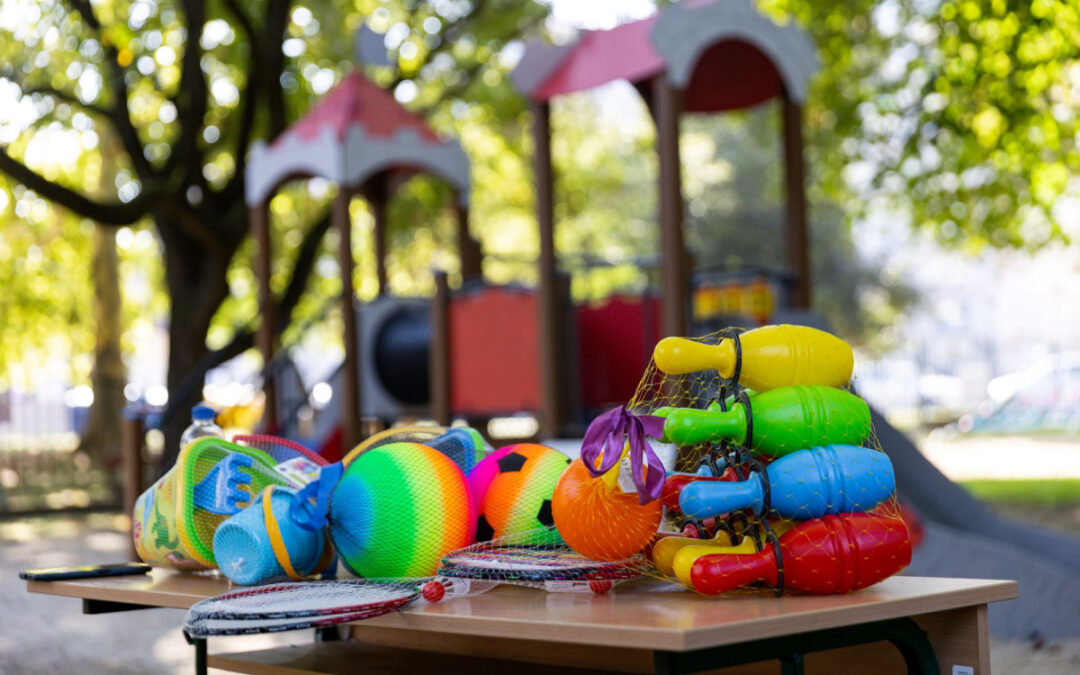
x=604, y=442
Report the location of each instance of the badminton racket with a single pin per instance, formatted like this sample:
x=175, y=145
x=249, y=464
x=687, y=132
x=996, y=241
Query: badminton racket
x=313, y=604
x=555, y=568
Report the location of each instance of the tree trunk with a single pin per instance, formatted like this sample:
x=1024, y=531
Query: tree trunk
x=101, y=440
x=196, y=278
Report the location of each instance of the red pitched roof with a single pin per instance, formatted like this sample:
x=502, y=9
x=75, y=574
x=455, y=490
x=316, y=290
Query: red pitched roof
x=730, y=75
x=357, y=100
x=598, y=57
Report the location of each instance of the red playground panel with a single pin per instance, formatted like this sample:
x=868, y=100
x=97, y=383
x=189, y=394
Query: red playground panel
x=615, y=341
x=494, y=354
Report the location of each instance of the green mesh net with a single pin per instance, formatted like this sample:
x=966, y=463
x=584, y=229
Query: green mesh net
x=175, y=520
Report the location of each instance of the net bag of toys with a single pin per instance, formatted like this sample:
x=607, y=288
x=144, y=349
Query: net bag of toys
x=175, y=520
x=771, y=476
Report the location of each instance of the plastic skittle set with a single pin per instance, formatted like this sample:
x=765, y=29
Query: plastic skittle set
x=741, y=461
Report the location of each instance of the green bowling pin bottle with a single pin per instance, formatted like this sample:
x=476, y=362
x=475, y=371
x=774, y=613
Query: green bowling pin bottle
x=784, y=420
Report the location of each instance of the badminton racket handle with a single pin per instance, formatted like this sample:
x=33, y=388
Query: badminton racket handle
x=595, y=586
x=453, y=587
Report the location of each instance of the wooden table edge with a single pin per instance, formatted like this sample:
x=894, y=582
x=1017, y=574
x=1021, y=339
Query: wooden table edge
x=992, y=590
x=162, y=599
x=688, y=639
x=621, y=636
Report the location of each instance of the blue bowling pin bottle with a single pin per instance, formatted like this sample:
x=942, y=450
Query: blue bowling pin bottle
x=803, y=485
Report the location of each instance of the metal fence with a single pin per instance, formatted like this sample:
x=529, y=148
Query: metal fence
x=42, y=468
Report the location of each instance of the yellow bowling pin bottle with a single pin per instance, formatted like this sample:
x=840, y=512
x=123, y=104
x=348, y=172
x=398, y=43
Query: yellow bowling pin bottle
x=772, y=356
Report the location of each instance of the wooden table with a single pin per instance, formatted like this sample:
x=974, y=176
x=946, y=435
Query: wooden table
x=934, y=625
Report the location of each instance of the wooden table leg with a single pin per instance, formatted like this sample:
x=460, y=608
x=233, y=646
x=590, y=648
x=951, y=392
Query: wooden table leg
x=961, y=639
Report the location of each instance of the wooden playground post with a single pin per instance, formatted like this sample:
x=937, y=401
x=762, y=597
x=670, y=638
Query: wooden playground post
x=668, y=102
x=377, y=196
x=350, y=394
x=551, y=328
x=260, y=231
x=468, y=248
x=440, y=350
x=795, y=228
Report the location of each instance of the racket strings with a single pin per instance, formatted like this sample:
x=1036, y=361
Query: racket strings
x=293, y=606
x=532, y=559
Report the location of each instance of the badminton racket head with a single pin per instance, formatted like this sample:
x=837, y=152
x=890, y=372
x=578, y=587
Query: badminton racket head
x=510, y=564
x=216, y=627
x=291, y=606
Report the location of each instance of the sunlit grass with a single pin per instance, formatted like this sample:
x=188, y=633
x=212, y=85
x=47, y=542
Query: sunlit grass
x=1061, y=491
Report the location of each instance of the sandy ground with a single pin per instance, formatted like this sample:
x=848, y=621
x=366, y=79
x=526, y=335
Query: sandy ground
x=43, y=635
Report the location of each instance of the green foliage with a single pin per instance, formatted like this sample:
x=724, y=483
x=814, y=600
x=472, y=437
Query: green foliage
x=960, y=114
x=42, y=250
x=735, y=215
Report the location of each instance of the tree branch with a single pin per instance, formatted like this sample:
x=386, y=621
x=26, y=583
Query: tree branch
x=86, y=12
x=449, y=35
x=67, y=97
x=116, y=213
x=244, y=337
x=273, y=61
x=119, y=116
x=242, y=18
x=455, y=90
x=306, y=256
x=234, y=189
x=191, y=100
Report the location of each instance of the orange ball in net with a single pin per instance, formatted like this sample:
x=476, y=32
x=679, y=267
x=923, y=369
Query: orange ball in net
x=597, y=519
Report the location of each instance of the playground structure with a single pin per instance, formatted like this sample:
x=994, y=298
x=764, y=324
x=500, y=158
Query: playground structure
x=564, y=370
x=680, y=59
x=360, y=138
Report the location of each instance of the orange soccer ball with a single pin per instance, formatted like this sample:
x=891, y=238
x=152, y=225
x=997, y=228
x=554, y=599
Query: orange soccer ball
x=597, y=519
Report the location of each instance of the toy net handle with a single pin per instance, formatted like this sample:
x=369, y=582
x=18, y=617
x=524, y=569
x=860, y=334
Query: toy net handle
x=277, y=542
x=257, y=440
x=320, y=491
x=371, y=441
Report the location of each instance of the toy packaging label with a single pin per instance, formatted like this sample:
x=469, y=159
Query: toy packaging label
x=626, y=475
x=299, y=471
x=665, y=451
x=154, y=527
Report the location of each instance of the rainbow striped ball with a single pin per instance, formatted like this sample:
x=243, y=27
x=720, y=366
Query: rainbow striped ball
x=513, y=487
x=398, y=509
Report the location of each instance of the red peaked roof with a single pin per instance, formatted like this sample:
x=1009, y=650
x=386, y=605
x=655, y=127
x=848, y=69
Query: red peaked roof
x=731, y=74
x=620, y=53
x=357, y=100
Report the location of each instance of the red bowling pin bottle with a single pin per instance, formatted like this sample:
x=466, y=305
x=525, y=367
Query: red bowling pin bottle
x=834, y=554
